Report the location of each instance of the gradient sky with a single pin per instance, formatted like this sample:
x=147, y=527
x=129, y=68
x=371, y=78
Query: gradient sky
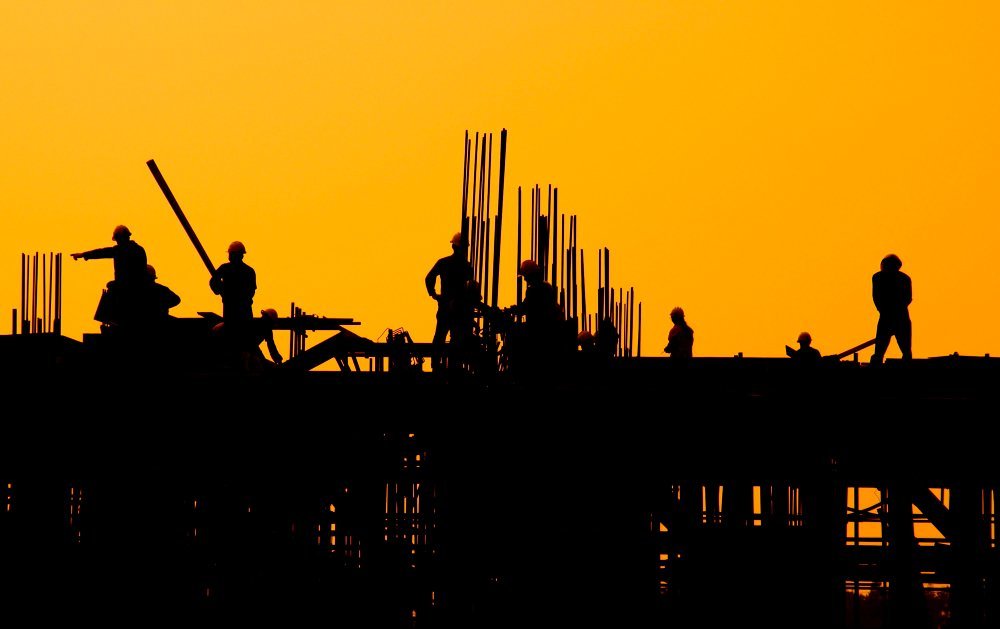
x=750, y=161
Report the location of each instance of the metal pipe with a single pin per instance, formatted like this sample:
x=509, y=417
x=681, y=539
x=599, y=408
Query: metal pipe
x=639, y=352
x=520, y=280
x=473, y=215
x=583, y=294
x=498, y=230
x=34, y=294
x=607, y=282
x=573, y=248
x=556, y=231
x=465, y=188
x=59, y=287
x=180, y=215
x=631, y=320
x=24, y=292
x=548, y=227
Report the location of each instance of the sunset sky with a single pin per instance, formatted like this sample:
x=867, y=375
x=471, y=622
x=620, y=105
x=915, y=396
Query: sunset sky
x=749, y=160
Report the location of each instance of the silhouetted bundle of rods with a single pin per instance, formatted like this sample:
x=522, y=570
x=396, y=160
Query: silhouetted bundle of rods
x=49, y=319
x=548, y=247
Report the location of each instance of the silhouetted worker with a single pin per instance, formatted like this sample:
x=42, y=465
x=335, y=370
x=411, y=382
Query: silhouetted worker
x=243, y=348
x=607, y=338
x=535, y=341
x=680, y=339
x=892, y=292
x=236, y=282
x=806, y=354
x=158, y=299
x=454, y=272
x=540, y=305
x=264, y=333
x=122, y=301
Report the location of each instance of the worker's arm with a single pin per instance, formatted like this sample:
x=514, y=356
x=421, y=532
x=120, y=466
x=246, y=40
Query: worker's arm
x=215, y=283
x=273, y=349
x=94, y=254
x=431, y=280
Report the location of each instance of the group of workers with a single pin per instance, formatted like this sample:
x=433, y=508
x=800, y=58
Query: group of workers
x=540, y=334
x=135, y=302
x=134, y=299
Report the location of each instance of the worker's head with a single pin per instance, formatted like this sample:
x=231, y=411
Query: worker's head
x=269, y=313
x=121, y=234
x=236, y=249
x=805, y=339
x=891, y=262
x=529, y=269
x=584, y=337
x=150, y=271
x=677, y=314
x=458, y=241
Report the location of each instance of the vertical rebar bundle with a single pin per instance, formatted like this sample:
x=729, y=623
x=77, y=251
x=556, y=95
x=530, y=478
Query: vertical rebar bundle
x=48, y=269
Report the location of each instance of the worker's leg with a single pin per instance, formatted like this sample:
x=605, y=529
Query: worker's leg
x=882, y=335
x=904, y=338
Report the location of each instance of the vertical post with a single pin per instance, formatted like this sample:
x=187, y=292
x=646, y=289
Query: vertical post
x=24, y=292
x=562, y=251
x=572, y=282
x=549, y=226
x=52, y=275
x=631, y=318
x=45, y=313
x=59, y=278
x=499, y=225
x=34, y=294
x=583, y=295
x=465, y=190
x=600, y=289
x=13, y=320
x=486, y=257
x=520, y=280
x=556, y=231
x=639, y=352
x=473, y=215
x=608, y=294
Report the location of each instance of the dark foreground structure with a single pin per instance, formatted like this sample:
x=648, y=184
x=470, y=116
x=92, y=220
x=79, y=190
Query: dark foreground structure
x=727, y=493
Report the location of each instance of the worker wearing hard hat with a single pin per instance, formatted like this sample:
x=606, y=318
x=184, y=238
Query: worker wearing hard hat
x=447, y=283
x=236, y=282
x=122, y=301
x=892, y=292
x=535, y=343
x=159, y=298
x=806, y=354
x=680, y=339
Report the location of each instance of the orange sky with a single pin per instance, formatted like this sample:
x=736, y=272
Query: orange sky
x=751, y=161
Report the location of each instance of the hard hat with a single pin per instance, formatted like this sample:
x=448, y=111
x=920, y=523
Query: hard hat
x=120, y=231
x=457, y=239
x=236, y=247
x=269, y=312
x=805, y=338
x=584, y=336
x=528, y=267
x=150, y=271
x=677, y=312
x=892, y=261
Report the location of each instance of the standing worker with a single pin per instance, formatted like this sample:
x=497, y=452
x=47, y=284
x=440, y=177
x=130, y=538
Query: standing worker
x=454, y=271
x=892, y=292
x=122, y=303
x=236, y=282
x=680, y=339
x=535, y=343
